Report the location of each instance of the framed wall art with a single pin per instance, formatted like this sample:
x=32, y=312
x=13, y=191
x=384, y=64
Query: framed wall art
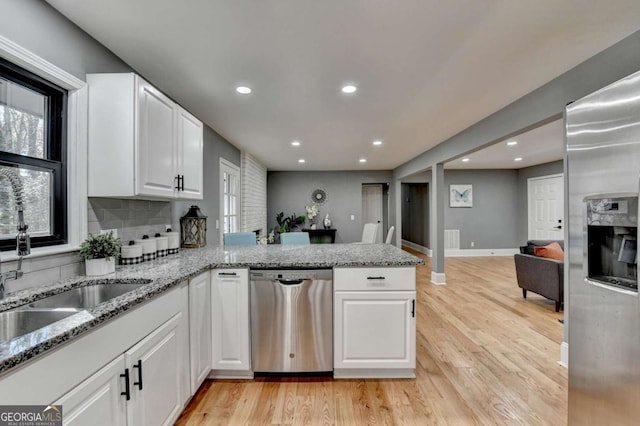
x=460, y=195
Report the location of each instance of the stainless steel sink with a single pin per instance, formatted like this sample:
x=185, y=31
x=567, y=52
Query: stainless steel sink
x=16, y=323
x=85, y=297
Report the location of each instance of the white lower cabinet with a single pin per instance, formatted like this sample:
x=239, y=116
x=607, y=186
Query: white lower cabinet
x=154, y=370
x=140, y=387
x=200, y=329
x=230, y=320
x=98, y=401
x=374, y=322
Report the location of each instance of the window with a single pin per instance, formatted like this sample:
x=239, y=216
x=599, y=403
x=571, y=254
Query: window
x=229, y=192
x=33, y=146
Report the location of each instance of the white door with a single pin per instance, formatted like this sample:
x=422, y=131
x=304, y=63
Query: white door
x=230, y=319
x=374, y=329
x=200, y=328
x=98, y=400
x=155, y=377
x=372, y=207
x=546, y=207
x=229, y=198
x=156, y=174
x=190, y=140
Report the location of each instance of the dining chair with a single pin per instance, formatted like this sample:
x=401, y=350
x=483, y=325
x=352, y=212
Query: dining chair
x=390, y=235
x=295, y=238
x=370, y=233
x=240, y=239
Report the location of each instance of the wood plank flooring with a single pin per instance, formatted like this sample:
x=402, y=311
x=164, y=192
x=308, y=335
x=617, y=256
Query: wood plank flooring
x=485, y=356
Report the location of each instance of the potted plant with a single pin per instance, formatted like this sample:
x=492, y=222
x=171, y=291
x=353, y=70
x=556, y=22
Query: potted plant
x=99, y=252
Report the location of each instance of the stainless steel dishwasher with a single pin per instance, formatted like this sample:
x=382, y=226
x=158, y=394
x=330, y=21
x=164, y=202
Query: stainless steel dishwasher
x=292, y=320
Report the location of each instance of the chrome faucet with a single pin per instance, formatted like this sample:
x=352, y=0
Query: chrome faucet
x=23, y=241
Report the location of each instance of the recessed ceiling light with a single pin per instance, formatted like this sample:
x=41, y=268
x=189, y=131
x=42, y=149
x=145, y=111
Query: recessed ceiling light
x=301, y=160
x=377, y=143
x=295, y=143
x=465, y=160
x=363, y=160
x=349, y=88
x=517, y=159
x=243, y=90
x=512, y=143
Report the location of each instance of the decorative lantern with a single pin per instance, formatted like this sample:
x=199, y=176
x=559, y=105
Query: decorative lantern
x=193, y=228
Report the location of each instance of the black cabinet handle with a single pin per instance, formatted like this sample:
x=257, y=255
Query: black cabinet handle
x=413, y=308
x=375, y=278
x=139, y=367
x=126, y=392
x=227, y=274
x=178, y=185
x=182, y=185
x=557, y=227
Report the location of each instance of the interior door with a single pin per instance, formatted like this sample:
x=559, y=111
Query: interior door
x=546, y=207
x=372, y=207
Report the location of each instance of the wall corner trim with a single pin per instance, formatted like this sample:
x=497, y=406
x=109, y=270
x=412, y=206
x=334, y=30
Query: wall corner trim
x=438, y=278
x=564, y=355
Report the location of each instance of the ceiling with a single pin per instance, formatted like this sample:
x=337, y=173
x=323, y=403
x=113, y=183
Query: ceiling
x=541, y=145
x=425, y=69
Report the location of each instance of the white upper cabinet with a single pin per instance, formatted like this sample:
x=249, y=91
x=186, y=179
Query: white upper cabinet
x=141, y=143
x=189, y=156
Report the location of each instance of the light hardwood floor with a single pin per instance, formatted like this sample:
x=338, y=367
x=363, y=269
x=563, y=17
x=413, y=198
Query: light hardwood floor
x=484, y=356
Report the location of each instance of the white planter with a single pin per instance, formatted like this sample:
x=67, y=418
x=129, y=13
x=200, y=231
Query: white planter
x=96, y=267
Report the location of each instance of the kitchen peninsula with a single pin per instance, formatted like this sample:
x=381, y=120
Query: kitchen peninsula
x=178, y=308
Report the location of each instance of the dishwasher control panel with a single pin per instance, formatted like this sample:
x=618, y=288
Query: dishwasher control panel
x=292, y=275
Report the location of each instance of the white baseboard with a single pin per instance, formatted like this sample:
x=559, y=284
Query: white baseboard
x=417, y=247
x=378, y=373
x=438, y=278
x=564, y=355
x=480, y=252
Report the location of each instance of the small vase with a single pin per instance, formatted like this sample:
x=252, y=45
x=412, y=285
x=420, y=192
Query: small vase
x=95, y=267
x=327, y=222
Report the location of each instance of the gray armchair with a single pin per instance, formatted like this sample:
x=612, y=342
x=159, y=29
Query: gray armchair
x=540, y=275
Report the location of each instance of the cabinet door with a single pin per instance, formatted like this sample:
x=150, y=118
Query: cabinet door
x=97, y=400
x=155, y=377
x=230, y=319
x=200, y=328
x=374, y=329
x=189, y=159
x=156, y=153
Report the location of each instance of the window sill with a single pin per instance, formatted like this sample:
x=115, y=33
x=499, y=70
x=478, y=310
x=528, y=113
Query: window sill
x=40, y=252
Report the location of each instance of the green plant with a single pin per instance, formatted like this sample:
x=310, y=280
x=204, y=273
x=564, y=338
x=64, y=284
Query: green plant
x=286, y=223
x=102, y=246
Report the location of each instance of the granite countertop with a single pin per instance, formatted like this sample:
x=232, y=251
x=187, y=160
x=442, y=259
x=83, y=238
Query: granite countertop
x=164, y=273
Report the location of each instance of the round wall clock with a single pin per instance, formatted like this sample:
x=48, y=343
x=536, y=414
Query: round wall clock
x=319, y=196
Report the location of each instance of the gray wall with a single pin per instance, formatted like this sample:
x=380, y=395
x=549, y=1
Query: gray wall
x=415, y=213
x=215, y=146
x=547, y=169
x=290, y=192
x=492, y=221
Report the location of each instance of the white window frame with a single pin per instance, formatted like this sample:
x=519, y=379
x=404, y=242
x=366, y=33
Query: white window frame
x=77, y=103
x=228, y=167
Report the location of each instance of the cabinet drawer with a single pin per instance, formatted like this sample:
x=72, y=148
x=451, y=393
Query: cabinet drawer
x=354, y=279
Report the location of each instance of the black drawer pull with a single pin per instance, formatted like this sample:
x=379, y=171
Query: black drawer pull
x=376, y=278
x=413, y=308
x=227, y=274
x=126, y=392
x=139, y=367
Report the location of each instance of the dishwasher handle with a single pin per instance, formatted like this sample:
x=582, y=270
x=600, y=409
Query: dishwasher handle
x=290, y=282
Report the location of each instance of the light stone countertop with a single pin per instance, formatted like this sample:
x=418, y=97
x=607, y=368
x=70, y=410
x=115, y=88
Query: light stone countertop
x=167, y=272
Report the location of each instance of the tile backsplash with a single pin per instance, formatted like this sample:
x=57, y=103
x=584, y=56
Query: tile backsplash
x=132, y=218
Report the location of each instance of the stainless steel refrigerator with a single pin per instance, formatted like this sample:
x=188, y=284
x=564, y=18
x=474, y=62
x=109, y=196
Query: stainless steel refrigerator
x=603, y=169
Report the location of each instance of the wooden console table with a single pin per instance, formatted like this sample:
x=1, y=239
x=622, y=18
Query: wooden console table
x=321, y=235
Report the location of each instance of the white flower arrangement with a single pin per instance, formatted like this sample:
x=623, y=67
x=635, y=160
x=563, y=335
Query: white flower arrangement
x=312, y=211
